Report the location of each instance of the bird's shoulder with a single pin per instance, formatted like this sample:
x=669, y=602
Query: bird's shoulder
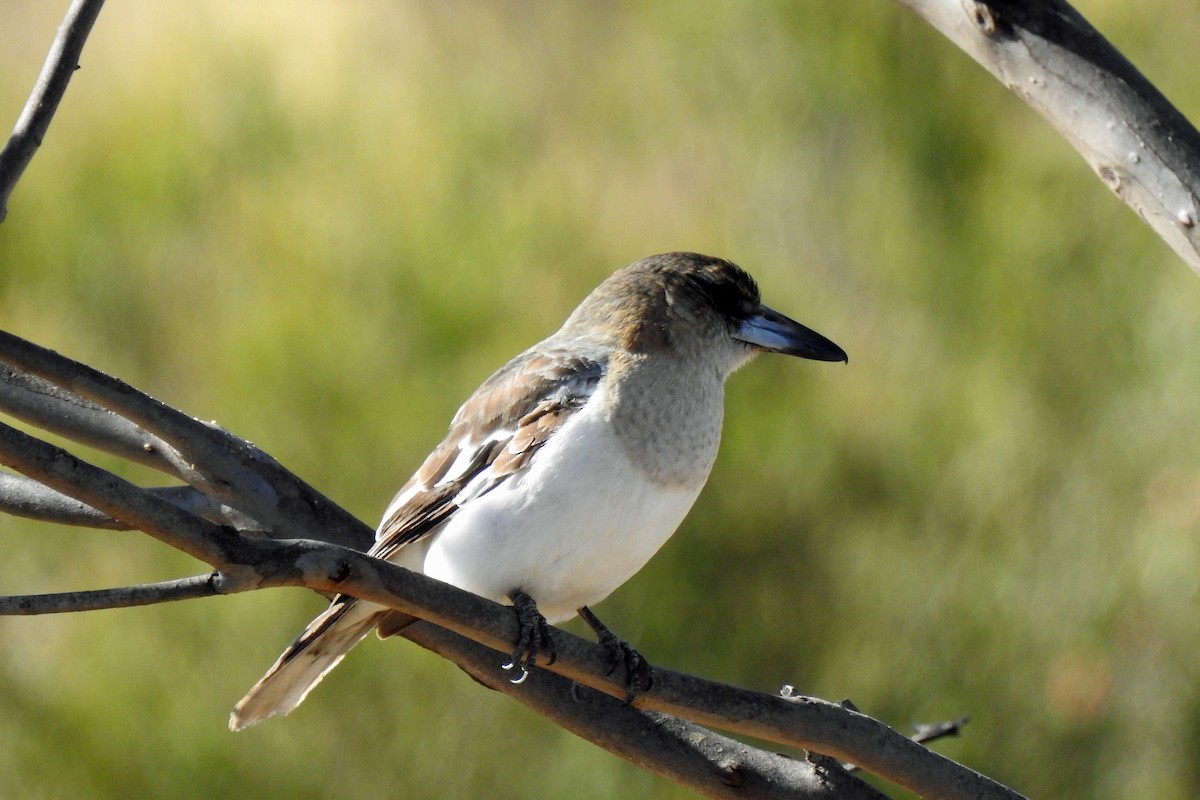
x=493, y=437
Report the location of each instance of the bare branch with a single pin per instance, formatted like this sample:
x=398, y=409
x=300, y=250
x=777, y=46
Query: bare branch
x=25, y=497
x=1139, y=144
x=61, y=63
x=234, y=471
x=123, y=597
x=115, y=496
x=924, y=733
x=680, y=751
x=709, y=763
x=55, y=409
x=805, y=723
x=802, y=722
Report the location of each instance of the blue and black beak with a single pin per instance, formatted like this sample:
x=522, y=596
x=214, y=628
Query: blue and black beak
x=772, y=331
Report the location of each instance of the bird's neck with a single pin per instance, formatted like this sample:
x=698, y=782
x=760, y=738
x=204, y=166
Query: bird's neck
x=667, y=415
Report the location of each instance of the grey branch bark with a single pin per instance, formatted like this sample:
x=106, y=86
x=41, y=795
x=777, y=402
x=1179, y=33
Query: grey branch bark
x=696, y=758
x=229, y=469
x=41, y=403
x=24, y=497
x=121, y=597
x=1140, y=145
x=51, y=85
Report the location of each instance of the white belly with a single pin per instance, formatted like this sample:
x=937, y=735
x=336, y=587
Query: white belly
x=579, y=522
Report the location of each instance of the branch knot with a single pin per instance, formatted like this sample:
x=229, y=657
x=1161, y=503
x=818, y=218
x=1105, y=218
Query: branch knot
x=982, y=15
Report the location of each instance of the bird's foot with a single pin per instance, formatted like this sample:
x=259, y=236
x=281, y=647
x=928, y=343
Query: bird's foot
x=533, y=637
x=639, y=673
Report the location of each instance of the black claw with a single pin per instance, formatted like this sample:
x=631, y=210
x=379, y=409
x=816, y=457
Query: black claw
x=639, y=673
x=533, y=638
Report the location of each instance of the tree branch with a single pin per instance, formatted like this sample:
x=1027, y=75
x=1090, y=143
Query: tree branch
x=1140, y=145
x=233, y=471
x=122, y=597
x=116, y=497
x=796, y=721
x=680, y=751
x=55, y=409
x=709, y=763
x=61, y=63
x=25, y=497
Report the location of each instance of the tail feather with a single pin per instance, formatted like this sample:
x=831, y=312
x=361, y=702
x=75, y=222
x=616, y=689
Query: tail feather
x=302, y=666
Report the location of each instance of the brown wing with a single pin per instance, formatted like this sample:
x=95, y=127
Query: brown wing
x=492, y=437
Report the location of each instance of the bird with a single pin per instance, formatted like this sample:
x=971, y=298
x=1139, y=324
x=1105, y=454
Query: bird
x=569, y=467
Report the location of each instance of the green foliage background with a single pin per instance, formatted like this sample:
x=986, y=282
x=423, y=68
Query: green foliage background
x=322, y=224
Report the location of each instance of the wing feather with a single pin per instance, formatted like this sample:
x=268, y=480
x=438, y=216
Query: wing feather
x=493, y=436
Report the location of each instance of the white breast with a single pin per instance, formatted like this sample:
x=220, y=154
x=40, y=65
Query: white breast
x=579, y=522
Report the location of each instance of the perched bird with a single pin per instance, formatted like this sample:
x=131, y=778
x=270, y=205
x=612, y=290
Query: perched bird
x=570, y=466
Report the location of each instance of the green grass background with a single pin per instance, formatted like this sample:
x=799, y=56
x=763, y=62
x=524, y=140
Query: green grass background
x=322, y=224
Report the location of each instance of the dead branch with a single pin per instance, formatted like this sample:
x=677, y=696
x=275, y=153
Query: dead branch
x=691, y=755
x=51, y=85
x=1140, y=145
x=234, y=472
x=122, y=597
x=23, y=497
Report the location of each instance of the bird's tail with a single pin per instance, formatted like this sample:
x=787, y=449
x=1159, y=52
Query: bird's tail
x=323, y=644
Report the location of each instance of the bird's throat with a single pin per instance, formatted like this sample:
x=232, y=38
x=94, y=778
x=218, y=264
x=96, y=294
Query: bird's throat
x=667, y=417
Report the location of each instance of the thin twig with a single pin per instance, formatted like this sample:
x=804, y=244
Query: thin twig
x=61, y=63
x=121, y=597
x=927, y=732
x=26, y=497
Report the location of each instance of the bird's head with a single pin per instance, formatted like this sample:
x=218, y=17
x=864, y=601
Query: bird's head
x=694, y=305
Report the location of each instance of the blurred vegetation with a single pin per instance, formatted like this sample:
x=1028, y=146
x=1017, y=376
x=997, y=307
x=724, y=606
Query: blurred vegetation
x=322, y=224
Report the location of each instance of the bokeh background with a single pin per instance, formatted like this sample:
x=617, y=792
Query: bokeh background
x=322, y=224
